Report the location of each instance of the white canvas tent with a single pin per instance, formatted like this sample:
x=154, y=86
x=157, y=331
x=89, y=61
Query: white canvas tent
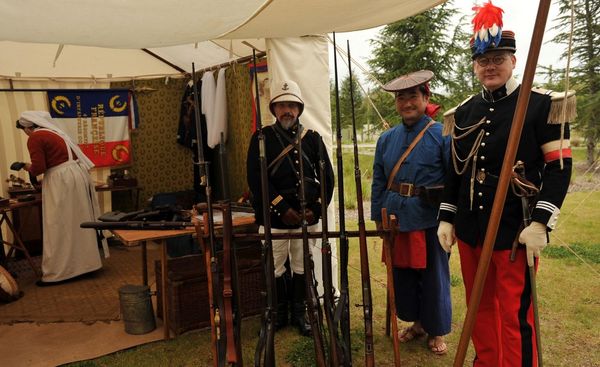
x=89, y=43
x=170, y=29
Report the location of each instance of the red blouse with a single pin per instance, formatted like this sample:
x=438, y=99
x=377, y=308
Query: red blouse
x=46, y=150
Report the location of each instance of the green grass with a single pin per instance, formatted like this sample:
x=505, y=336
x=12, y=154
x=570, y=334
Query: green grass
x=579, y=154
x=568, y=292
x=365, y=162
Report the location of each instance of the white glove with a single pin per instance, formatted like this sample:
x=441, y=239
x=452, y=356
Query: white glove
x=446, y=235
x=534, y=238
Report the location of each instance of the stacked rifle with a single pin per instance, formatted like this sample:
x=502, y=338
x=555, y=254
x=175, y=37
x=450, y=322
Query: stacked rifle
x=332, y=343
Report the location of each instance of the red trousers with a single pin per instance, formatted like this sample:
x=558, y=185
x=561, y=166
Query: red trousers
x=504, y=334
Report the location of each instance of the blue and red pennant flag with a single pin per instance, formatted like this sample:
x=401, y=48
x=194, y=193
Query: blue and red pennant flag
x=98, y=120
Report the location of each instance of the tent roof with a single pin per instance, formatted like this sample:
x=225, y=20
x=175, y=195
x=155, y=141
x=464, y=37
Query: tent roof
x=180, y=32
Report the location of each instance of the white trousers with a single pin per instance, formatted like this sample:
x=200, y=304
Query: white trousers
x=282, y=249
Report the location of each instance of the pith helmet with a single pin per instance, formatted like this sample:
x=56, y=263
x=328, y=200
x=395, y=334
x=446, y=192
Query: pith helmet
x=286, y=91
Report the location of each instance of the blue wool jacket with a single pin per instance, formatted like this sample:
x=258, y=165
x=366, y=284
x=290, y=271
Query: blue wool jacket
x=425, y=166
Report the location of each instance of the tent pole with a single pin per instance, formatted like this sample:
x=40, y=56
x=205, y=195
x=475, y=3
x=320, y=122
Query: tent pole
x=164, y=61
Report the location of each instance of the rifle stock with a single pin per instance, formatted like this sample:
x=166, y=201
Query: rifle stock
x=364, y=253
x=230, y=296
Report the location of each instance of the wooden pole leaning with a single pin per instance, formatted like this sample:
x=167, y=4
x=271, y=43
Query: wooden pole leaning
x=504, y=180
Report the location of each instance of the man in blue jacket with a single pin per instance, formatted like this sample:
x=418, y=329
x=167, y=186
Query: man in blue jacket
x=409, y=189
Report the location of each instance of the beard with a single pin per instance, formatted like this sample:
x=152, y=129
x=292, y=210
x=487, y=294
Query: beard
x=287, y=121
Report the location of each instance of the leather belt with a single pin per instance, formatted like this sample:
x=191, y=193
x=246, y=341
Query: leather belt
x=406, y=189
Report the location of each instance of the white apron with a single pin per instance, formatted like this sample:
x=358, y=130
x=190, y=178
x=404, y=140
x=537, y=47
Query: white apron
x=69, y=198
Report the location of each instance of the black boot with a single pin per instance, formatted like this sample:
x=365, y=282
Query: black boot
x=282, y=302
x=299, y=315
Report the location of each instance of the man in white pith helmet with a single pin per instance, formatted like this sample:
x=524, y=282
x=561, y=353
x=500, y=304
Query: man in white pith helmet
x=283, y=161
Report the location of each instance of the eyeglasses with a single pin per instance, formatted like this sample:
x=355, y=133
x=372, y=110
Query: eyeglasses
x=485, y=61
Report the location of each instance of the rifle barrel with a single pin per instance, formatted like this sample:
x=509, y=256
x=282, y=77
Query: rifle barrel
x=147, y=225
x=266, y=341
x=344, y=302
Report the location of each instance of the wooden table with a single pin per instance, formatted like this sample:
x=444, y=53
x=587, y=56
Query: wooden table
x=17, y=243
x=133, y=237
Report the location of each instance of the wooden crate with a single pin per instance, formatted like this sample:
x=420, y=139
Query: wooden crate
x=187, y=291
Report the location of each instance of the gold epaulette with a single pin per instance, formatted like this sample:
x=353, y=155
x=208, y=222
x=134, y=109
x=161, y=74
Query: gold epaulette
x=563, y=107
x=449, y=117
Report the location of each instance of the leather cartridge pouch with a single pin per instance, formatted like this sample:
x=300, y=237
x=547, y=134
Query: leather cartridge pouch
x=312, y=190
x=432, y=195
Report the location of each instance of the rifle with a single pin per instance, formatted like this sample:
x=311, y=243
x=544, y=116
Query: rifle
x=335, y=351
x=311, y=291
x=209, y=251
x=364, y=254
x=166, y=225
x=145, y=225
x=266, y=339
x=343, y=307
x=232, y=317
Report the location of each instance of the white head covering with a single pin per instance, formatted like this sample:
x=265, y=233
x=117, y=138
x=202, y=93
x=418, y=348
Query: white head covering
x=286, y=91
x=43, y=119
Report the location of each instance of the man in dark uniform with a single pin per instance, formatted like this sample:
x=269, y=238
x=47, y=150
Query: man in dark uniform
x=504, y=332
x=283, y=161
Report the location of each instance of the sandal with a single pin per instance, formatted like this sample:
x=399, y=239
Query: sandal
x=438, y=348
x=409, y=333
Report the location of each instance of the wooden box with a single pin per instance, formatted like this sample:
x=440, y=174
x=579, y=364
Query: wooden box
x=187, y=291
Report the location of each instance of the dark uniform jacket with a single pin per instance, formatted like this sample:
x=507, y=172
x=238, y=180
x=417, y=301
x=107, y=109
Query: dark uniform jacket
x=284, y=176
x=470, y=210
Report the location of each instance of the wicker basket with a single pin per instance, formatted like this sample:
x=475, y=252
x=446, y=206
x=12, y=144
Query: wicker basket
x=187, y=291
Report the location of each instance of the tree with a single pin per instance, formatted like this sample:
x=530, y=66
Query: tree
x=586, y=60
x=420, y=42
x=345, y=105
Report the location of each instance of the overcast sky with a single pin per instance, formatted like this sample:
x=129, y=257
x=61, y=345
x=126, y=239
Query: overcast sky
x=519, y=16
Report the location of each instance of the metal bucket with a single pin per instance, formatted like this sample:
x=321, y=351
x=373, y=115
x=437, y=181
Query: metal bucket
x=136, y=309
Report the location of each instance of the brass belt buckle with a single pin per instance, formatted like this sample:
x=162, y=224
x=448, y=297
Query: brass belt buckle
x=406, y=189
